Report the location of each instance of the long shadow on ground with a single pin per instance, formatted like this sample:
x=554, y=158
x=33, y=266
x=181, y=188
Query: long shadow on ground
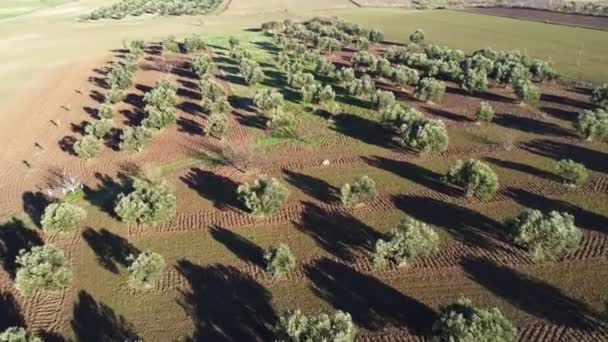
x=594, y=160
x=513, y=165
x=105, y=195
x=216, y=188
x=15, y=236
x=112, y=250
x=34, y=204
x=225, y=304
x=312, y=186
x=372, y=304
x=530, y=125
x=364, y=130
x=531, y=295
x=243, y=248
x=10, y=312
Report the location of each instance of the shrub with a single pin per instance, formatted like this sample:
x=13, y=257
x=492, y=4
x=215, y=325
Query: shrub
x=148, y=203
x=87, y=147
x=326, y=95
x=571, y=172
x=526, y=91
x=429, y=89
x=160, y=105
x=345, y=75
x=363, y=59
x=592, y=124
x=295, y=326
x=114, y=95
x=410, y=239
x=363, y=188
x=509, y=72
x=461, y=321
x=268, y=99
x=382, y=99
x=474, y=81
x=376, y=35
x=217, y=125
x=239, y=54
x=298, y=80
x=281, y=123
x=145, y=270
x=203, y=65
x=381, y=67
x=99, y=128
x=326, y=44
x=264, y=196
x=120, y=76
x=544, y=236
x=169, y=44
x=210, y=90
x=417, y=37
x=599, y=95
x=396, y=114
x=541, y=71
x=362, y=87
x=251, y=72
x=42, y=268
x=324, y=68
x=18, y=334
x=402, y=75
x=425, y=135
x=476, y=178
x=221, y=105
x=134, y=138
x=279, y=260
x=105, y=111
x=362, y=44
x=309, y=92
x=485, y=112
x=61, y=217
x=194, y=43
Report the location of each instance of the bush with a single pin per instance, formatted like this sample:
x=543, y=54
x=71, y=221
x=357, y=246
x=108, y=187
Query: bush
x=541, y=71
x=105, y=111
x=145, y=270
x=327, y=95
x=299, y=80
x=169, y=44
x=544, y=236
x=362, y=44
x=87, y=147
x=345, y=75
x=61, y=217
x=396, y=114
x=474, y=177
x=425, y=135
x=203, y=65
x=309, y=92
x=362, y=87
x=362, y=189
x=211, y=91
x=592, y=124
x=324, y=68
x=294, y=326
x=526, y=91
x=42, y=268
x=135, y=138
x=99, y=128
x=279, y=260
x=18, y=334
x=251, y=72
x=376, y=35
x=417, y=37
x=462, y=321
x=599, y=95
x=363, y=59
x=410, y=239
x=148, y=203
x=268, y=99
x=485, y=112
x=217, y=125
x=114, y=95
x=282, y=123
x=429, y=89
x=402, y=75
x=119, y=77
x=221, y=105
x=571, y=172
x=264, y=196
x=383, y=99
x=160, y=105
x=381, y=67
x=194, y=43
x=474, y=81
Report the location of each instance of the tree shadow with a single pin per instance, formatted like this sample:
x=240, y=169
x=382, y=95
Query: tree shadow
x=565, y=101
x=133, y=117
x=97, y=96
x=530, y=125
x=561, y=114
x=268, y=47
x=188, y=84
x=415, y=173
x=444, y=114
x=189, y=126
x=372, y=304
x=225, y=304
x=34, y=204
x=190, y=107
x=216, y=188
x=364, y=130
x=531, y=295
x=193, y=95
x=462, y=223
x=485, y=96
x=594, y=160
x=10, y=312
x=583, y=218
x=312, y=186
x=93, y=321
x=111, y=250
x=531, y=170
x=339, y=233
x=184, y=72
x=105, y=195
x=243, y=248
x=66, y=144
x=15, y=236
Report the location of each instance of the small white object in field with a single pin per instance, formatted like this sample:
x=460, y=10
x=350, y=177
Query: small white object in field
x=325, y=162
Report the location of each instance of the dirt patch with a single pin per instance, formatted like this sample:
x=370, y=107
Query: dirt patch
x=544, y=16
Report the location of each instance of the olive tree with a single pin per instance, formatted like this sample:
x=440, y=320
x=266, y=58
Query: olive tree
x=18, y=334
x=383, y=99
x=425, y=135
x=99, y=128
x=217, y=125
x=362, y=87
x=268, y=99
x=345, y=75
x=161, y=104
x=298, y=80
x=135, y=138
x=87, y=147
x=114, y=95
x=381, y=67
x=264, y=196
x=203, y=65
x=429, y=89
x=376, y=35
x=42, y=268
x=571, y=172
x=410, y=239
x=542, y=70
x=476, y=178
x=324, y=67
x=194, y=43
x=145, y=270
x=363, y=188
x=251, y=71
x=61, y=217
x=485, y=112
x=295, y=326
x=396, y=115
x=403, y=75
x=211, y=92
x=147, y=203
x=281, y=123
x=461, y=321
x=279, y=260
x=544, y=236
x=526, y=91
x=592, y=124
x=474, y=81
x=417, y=37
x=105, y=111
x=599, y=95
x=170, y=44
x=309, y=92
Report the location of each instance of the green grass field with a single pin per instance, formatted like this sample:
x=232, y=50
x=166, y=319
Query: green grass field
x=13, y=8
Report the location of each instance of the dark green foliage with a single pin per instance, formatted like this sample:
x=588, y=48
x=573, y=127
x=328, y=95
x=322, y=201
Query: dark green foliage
x=135, y=138
x=424, y=135
x=42, y=268
x=148, y=203
x=279, y=260
x=571, y=172
x=264, y=196
x=417, y=37
x=294, y=326
x=474, y=177
x=61, y=217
